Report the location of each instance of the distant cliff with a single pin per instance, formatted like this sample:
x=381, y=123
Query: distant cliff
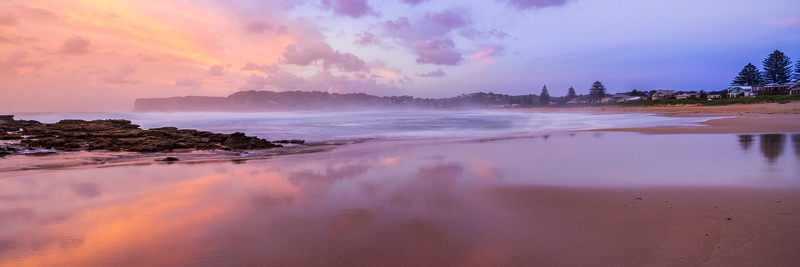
x=255, y=101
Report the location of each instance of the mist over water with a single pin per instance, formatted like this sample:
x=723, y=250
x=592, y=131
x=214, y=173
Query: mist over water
x=417, y=124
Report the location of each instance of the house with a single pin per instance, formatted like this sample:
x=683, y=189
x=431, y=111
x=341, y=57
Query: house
x=737, y=91
x=714, y=95
x=687, y=95
x=663, y=94
x=795, y=89
x=773, y=88
x=618, y=98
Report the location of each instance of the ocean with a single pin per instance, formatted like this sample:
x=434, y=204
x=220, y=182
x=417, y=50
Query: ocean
x=317, y=127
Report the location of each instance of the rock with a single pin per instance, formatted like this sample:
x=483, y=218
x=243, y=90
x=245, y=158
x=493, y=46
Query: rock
x=169, y=159
x=10, y=137
x=122, y=135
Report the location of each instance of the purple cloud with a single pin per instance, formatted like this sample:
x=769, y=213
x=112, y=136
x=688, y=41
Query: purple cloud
x=367, y=39
x=438, y=52
x=263, y=27
x=474, y=34
x=413, y=2
x=446, y=18
x=75, y=45
x=321, y=81
x=263, y=67
x=528, y=4
x=120, y=76
x=350, y=8
x=304, y=55
x=216, y=70
x=432, y=74
x=401, y=23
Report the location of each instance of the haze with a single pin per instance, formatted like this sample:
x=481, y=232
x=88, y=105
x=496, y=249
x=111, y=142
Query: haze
x=85, y=55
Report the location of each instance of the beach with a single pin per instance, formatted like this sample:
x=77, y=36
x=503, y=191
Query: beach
x=621, y=197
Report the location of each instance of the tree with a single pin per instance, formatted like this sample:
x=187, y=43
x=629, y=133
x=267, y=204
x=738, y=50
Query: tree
x=797, y=71
x=571, y=93
x=544, y=98
x=777, y=68
x=748, y=76
x=703, y=94
x=598, y=90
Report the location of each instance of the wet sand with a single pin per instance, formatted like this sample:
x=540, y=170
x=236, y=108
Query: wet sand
x=569, y=199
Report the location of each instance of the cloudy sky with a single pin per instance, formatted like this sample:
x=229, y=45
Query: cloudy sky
x=100, y=55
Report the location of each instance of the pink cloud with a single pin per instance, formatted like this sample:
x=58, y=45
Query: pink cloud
x=15, y=63
x=528, y=4
x=196, y=83
x=432, y=74
x=446, y=18
x=438, y=52
x=120, y=75
x=351, y=8
x=216, y=70
x=788, y=22
x=486, y=55
x=7, y=20
x=367, y=39
x=304, y=55
x=75, y=45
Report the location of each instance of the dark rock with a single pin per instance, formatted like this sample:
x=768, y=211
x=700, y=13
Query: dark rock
x=10, y=137
x=39, y=154
x=122, y=135
x=169, y=159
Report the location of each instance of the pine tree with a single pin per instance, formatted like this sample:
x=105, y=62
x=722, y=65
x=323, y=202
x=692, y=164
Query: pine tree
x=748, y=76
x=571, y=93
x=777, y=68
x=544, y=98
x=598, y=90
x=797, y=71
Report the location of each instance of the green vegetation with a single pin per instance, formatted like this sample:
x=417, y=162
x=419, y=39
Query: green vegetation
x=544, y=97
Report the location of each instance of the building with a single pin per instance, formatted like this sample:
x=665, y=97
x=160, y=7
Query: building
x=738, y=91
x=663, y=94
x=795, y=89
x=773, y=89
x=687, y=95
x=714, y=95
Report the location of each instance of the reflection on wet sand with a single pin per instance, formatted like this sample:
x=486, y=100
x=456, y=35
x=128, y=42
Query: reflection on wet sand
x=772, y=145
x=746, y=141
x=796, y=142
x=507, y=202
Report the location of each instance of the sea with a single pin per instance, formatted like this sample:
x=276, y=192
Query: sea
x=316, y=127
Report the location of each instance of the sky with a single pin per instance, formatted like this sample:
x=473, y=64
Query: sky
x=100, y=55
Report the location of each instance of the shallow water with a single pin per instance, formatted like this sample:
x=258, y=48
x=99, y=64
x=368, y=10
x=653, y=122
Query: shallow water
x=544, y=198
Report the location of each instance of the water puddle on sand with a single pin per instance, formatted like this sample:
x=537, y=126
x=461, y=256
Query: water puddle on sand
x=587, y=198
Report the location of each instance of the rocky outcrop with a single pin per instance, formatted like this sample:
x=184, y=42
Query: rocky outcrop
x=118, y=135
